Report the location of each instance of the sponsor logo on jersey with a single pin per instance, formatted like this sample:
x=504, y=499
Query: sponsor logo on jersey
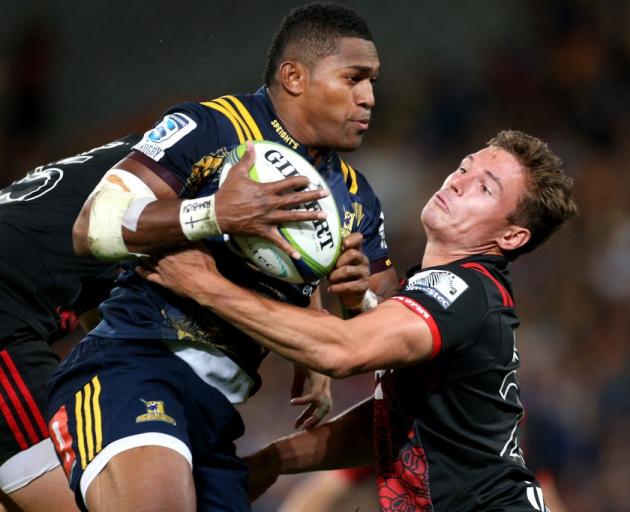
x=155, y=412
x=172, y=128
x=62, y=439
x=444, y=286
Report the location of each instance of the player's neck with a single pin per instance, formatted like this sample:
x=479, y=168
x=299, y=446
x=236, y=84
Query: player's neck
x=291, y=115
x=437, y=253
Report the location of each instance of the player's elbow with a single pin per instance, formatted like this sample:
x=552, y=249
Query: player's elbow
x=339, y=363
x=80, y=236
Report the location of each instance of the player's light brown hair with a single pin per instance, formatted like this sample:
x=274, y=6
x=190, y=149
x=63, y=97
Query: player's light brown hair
x=311, y=32
x=547, y=202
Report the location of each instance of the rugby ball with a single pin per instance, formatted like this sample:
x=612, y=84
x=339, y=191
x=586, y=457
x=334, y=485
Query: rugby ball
x=318, y=242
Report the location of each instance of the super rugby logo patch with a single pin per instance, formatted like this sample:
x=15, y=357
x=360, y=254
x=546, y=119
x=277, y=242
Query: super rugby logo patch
x=172, y=128
x=444, y=286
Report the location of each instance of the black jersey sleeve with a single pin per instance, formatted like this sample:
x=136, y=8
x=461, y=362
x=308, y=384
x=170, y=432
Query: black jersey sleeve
x=185, y=133
x=451, y=300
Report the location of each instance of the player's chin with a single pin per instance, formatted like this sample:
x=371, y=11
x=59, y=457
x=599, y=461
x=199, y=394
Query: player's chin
x=350, y=142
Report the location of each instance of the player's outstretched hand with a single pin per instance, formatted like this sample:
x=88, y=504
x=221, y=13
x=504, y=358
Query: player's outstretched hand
x=318, y=399
x=187, y=272
x=350, y=278
x=247, y=208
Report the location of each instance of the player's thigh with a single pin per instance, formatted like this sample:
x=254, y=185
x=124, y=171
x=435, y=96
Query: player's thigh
x=49, y=492
x=147, y=478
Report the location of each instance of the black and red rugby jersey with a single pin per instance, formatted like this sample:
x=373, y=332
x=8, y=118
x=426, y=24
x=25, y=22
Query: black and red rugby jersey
x=447, y=430
x=39, y=271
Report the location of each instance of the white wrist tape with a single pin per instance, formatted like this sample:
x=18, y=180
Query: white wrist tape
x=370, y=301
x=198, y=218
x=117, y=201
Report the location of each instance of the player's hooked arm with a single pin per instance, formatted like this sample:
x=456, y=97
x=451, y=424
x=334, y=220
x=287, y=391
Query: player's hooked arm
x=388, y=336
x=325, y=447
x=134, y=211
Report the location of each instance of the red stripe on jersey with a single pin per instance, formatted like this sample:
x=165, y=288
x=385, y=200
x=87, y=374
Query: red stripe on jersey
x=32, y=405
x=17, y=405
x=426, y=316
x=8, y=416
x=507, y=299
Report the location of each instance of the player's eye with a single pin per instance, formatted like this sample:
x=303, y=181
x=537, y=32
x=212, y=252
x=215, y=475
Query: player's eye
x=485, y=189
x=461, y=170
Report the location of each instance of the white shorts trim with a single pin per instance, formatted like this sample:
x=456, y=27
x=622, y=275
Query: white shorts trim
x=27, y=465
x=127, y=443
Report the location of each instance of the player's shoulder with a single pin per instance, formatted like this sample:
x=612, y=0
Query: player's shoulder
x=355, y=180
x=243, y=113
x=484, y=276
x=444, y=283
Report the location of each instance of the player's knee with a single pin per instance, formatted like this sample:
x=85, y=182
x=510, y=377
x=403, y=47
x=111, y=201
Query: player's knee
x=148, y=478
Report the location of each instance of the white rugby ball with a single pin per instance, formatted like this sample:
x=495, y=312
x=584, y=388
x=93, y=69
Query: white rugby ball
x=318, y=241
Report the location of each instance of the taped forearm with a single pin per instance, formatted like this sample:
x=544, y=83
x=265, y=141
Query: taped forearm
x=117, y=201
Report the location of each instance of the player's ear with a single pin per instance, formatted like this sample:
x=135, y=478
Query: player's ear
x=514, y=237
x=292, y=75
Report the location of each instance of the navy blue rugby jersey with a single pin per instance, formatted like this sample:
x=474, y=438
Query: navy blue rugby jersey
x=186, y=149
x=40, y=274
x=447, y=430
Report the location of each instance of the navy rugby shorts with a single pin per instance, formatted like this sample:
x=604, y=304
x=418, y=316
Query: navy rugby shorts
x=112, y=395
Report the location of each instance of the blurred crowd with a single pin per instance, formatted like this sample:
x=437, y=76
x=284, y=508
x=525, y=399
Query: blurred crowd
x=565, y=79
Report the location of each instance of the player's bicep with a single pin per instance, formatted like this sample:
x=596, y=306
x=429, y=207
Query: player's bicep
x=123, y=176
x=391, y=336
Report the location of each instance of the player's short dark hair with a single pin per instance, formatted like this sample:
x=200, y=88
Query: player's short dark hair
x=547, y=202
x=311, y=32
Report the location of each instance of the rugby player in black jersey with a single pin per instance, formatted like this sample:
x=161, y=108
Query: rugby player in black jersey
x=442, y=428
x=144, y=404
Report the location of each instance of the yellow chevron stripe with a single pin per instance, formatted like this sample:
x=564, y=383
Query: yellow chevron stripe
x=235, y=115
x=235, y=123
x=98, y=425
x=241, y=121
x=247, y=117
x=347, y=170
x=78, y=403
x=87, y=389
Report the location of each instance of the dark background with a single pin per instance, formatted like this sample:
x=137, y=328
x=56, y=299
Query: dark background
x=76, y=74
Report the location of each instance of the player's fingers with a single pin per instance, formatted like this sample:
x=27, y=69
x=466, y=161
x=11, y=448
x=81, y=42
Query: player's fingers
x=245, y=163
x=274, y=236
x=352, y=257
x=348, y=273
x=302, y=400
x=352, y=241
x=299, y=198
x=283, y=216
x=288, y=184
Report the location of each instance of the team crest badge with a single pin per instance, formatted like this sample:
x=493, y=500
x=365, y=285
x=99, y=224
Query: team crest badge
x=155, y=412
x=202, y=170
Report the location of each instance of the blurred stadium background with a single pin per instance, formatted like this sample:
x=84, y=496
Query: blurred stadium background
x=453, y=74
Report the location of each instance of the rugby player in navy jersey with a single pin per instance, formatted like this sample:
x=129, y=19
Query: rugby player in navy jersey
x=442, y=428
x=144, y=405
x=45, y=288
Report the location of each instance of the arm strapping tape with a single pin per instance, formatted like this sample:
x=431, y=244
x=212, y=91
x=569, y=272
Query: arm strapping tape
x=198, y=218
x=370, y=301
x=118, y=200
